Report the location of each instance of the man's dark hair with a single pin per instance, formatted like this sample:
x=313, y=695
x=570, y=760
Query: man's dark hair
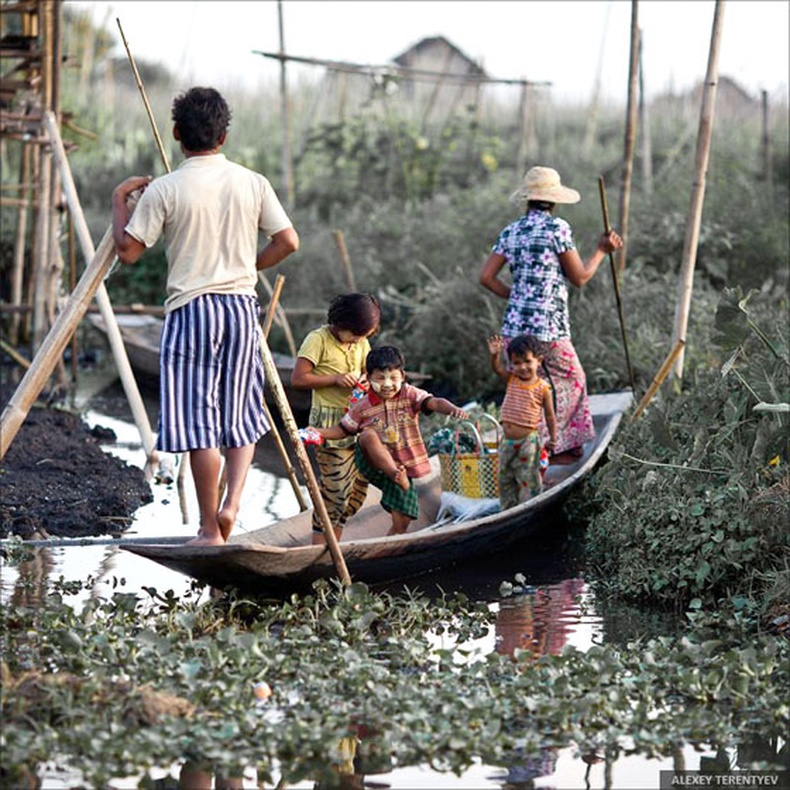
x=202, y=116
x=384, y=358
x=357, y=313
x=521, y=344
x=543, y=205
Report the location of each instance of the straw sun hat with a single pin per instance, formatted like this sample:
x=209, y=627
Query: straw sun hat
x=543, y=183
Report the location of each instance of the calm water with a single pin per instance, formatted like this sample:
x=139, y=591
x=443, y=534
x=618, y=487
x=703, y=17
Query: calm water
x=559, y=610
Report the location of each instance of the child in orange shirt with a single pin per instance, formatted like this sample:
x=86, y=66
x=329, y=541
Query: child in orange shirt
x=527, y=399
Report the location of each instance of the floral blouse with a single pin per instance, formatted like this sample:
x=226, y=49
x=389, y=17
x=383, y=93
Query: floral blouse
x=538, y=303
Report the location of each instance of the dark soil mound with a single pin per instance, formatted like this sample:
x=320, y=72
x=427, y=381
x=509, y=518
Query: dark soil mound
x=55, y=479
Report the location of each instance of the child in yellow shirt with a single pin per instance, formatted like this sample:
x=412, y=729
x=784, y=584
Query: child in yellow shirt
x=331, y=363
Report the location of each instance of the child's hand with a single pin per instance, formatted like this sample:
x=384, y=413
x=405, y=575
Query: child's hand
x=346, y=380
x=310, y=435
x=459, y=413
x=495, y=345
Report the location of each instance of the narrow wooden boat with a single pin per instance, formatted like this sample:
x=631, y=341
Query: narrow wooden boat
x=141, y=334
x=283, y=557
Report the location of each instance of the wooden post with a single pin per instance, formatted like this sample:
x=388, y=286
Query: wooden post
x=644, y=125
x=102, y=297
x=698, y=187
x=595, y=102
x=630, y=134
x=348, y=272
x=766, y=143
x=285, y=117
x=20, y=236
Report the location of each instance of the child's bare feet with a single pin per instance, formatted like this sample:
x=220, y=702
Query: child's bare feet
x=401, y=478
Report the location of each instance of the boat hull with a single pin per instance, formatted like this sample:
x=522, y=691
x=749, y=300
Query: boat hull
x=283, y=558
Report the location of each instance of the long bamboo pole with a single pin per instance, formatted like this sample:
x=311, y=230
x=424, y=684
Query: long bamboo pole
x=102, y=297
x=698, y=187
x=144, y=96
x=616, y=281
x=270, y=370
x=285, y=115
x=630, y=134
x=289, y=468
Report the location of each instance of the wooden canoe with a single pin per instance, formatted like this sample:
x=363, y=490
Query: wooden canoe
x=282, y=557
x=141, y=334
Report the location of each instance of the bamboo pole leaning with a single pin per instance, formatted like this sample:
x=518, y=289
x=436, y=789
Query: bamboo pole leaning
x=289, y=468
x=102, y=297
x=658, y=379
x=55, y=342
x=698, y=187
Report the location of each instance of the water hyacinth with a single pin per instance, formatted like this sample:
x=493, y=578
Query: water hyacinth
x=146, y=682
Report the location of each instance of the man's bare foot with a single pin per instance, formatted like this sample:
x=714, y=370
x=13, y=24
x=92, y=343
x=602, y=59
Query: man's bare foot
x=401, y=478
x=207, y=540
x=226, y=518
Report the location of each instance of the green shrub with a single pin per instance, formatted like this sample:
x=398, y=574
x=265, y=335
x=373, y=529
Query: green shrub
x=694, y=501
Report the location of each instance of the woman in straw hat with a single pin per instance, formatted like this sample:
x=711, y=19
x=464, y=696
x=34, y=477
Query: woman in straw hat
x=542, y=257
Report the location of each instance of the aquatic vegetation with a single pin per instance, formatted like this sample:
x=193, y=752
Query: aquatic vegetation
x=142, y=682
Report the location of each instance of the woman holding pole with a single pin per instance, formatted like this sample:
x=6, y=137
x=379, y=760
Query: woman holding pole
x=542, y=257
x=210, y=212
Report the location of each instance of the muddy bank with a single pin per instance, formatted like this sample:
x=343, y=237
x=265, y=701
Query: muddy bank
x=55, y=479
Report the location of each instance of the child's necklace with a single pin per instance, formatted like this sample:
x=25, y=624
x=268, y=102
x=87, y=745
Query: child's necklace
x=390, y=431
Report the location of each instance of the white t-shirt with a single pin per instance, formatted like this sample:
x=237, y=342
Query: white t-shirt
x=210, y=211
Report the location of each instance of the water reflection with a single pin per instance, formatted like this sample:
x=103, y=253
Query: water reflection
x=539, y=620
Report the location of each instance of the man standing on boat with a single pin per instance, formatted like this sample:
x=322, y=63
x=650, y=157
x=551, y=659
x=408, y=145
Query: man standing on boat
x=210, y=212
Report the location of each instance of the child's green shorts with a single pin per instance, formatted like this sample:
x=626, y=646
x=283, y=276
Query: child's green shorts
x=393, y=497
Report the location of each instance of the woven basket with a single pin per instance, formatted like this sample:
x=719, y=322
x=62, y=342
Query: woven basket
x=471, y=475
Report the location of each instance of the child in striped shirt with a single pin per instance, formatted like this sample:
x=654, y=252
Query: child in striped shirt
x=527, y=399
x=390, y=451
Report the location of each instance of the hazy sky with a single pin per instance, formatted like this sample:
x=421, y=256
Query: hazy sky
x=211, y=42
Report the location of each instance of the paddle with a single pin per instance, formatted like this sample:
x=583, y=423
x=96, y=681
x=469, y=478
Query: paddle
x=607, y=229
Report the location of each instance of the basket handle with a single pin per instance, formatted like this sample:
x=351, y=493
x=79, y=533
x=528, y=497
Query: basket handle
x=497, y=426
x=473, y=428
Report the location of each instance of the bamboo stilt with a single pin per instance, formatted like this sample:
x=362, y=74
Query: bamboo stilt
x=698, y=187
x=630, y=135
x=348, y=272
x=20, y=234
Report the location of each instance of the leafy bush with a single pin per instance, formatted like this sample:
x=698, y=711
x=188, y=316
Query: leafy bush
x=693, y=503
